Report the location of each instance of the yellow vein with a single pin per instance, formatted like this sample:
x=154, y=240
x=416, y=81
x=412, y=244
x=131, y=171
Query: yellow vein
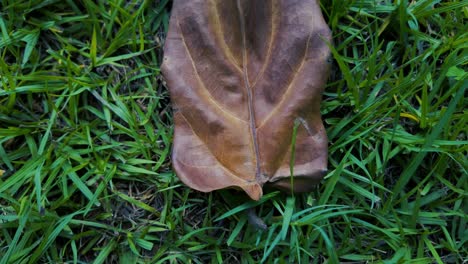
x=288, y=90
x=204, y=89
x=203, y=141
x=270, y=44
x=224, y=46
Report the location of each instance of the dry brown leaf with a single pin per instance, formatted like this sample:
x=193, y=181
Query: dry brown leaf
x=240, y=73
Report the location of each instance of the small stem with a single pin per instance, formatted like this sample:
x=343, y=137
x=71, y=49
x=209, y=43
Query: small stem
x=256, y=221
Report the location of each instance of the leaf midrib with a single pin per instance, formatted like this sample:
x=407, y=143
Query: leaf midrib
x=252, y=121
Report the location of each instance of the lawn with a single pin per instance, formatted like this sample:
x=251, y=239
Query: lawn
x=86, y=131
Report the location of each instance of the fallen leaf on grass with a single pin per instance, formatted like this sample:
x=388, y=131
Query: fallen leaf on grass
x=241, y=74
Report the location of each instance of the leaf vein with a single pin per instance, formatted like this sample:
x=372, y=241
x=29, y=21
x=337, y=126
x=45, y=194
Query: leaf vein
x=204, y=89
x=288, y=90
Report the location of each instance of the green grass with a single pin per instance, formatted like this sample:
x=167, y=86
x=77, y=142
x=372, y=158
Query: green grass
x=86, y=130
